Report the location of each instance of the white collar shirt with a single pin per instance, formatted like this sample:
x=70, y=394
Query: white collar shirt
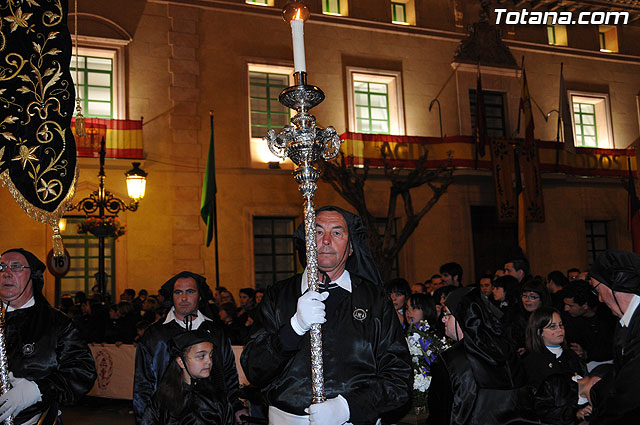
x=28, y=304
x=344, y=281
x=633, y=305
x=199, y=320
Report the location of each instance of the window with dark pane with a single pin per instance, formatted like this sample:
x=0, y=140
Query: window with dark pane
x=94, y=85
x=494, y=109
x=266, y=111
x=398, y=12
x=83, y=250
x=274, y=254
x=597, y=239
x=380, y=225
x=331, y=7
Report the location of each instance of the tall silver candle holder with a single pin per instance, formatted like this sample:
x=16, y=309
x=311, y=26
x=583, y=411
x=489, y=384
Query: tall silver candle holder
x=305, y=143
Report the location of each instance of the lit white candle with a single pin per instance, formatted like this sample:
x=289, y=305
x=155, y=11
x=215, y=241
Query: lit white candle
x=297, y=33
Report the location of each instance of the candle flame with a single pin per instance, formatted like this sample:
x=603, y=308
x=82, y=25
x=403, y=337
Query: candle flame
x=298, y=13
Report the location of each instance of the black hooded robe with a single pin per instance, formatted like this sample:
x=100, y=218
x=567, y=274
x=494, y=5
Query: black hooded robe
x=365, y=354
x=480, y=380
x=366, y=361
x=615, y=397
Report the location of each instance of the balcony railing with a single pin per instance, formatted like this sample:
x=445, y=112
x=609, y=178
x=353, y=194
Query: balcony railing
x=404, y=151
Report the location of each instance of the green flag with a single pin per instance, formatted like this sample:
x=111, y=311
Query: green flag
x=208, y=203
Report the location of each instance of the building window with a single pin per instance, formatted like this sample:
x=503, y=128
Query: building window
x=398, y=13
x=274, y=253
x=83, y=250
x=608, y=36
x=597, y=239
x=551, y=34
x=403, y=12
x=95, y=85
x=557, y=35
x=260, y=2
x=265, y=111
x=100, y=84
x=494, y=108
x=591, y=120
x=375, y=102
x=335, y=7
x=372, y=107
x=585, y=118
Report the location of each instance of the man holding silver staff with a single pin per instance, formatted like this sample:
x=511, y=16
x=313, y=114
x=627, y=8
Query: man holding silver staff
x=367, y=370
x=47, y=362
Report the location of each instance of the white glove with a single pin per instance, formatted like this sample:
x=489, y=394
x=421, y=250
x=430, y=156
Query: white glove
x=334, y=411
x=23, y=394
x=310, y=310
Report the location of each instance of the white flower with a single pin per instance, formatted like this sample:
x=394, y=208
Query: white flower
x=421, y=383
x=415, y=360
x=414, y=350
x=428, y=353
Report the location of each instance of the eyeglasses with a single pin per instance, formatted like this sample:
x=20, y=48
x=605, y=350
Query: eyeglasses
x=14, y=267
x=595, y=290
x=530, y=297
x=554, y=326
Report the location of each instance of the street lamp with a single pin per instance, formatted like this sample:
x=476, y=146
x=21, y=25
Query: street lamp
x=102, y=200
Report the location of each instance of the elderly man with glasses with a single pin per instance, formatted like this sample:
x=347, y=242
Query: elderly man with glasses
x=615, y=278
x=48, y=361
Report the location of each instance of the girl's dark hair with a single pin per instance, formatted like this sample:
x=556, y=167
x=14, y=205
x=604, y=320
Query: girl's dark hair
x=230, y=309
x=424, y=303
x=444, y=290
x=538, y=320
x=171, y=391
x=537, y=286
x=511, y=289
x=249, y=292
x=399, y=286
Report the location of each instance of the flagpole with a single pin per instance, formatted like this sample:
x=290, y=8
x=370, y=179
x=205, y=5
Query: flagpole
x=558, y=129
x=520, y=108
x=215, y=223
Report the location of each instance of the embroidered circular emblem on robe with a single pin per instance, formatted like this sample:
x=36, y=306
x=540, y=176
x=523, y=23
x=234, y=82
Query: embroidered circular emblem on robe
x=359, y=314
x=28, y=349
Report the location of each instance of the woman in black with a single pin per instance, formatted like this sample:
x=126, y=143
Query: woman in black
x=550, y=368
x=191, y=391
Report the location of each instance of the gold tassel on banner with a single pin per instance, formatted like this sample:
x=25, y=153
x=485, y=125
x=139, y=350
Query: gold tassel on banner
x=58, y=247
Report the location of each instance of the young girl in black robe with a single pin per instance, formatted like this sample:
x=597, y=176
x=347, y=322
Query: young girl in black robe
x=191, y=391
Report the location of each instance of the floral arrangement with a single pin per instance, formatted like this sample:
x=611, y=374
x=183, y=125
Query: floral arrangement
x=424, y=346
x=102, y=226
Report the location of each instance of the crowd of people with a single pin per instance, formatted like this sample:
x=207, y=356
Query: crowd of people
x=534, y=344
x=102, y=321
x=512, y=348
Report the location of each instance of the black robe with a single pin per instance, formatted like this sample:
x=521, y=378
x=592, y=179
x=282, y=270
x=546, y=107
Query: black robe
x=615, y=397
x=152, y=359
x=44, y=346
x=556, y=400
x=204, y=404
x=366, y=358
x=456, y=398
x=541, y=365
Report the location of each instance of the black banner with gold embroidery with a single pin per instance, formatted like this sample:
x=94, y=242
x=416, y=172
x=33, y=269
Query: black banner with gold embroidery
x=504, y=175
x=37, y=147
